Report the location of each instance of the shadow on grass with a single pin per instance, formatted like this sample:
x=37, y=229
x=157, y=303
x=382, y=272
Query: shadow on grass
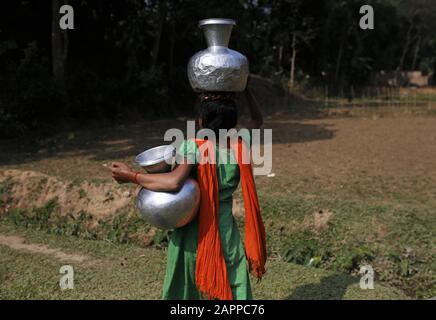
x=122, y=141
x=332, y=287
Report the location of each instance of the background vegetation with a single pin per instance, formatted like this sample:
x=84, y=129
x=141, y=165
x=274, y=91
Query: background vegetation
x=127, y=59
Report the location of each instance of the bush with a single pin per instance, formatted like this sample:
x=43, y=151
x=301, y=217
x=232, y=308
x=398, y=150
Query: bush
x=348, y=260
x=122, y=228
x=304, y=248
x=29, y=98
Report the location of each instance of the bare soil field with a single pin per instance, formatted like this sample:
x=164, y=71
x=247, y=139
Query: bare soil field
x=333, y=149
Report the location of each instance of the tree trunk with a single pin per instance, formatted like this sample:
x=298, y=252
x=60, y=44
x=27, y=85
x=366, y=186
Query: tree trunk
x=172, y=47
x=357, y=53
x=415, y=54
x=280, y=58
x=156, y=45
x=323, y=65
x=59, y=45
x=293, y=57
x=406, y=46
x=339, y=56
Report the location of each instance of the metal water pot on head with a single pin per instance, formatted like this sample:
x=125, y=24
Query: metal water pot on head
x=166, y=210
x=218, y=68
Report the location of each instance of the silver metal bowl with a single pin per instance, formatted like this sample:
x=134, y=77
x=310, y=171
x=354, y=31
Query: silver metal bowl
x=156, y=160
x=170, y=210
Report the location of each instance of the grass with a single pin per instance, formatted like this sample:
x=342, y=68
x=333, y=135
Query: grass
x=372, y=223
x=403, y=96
x=130, y=272
x=4, y=188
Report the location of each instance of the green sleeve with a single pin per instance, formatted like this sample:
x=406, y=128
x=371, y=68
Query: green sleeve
x=189, y=150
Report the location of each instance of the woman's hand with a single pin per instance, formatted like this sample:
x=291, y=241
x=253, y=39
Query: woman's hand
x=121, y=172
x=164, y=182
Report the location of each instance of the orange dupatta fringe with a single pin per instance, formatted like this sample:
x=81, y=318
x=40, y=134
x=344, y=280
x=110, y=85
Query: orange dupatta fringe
x=211, y=270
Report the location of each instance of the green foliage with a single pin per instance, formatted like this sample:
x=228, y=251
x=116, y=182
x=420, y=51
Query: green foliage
x=304, y=248
x=82, y=194
x=400, y=252
x=29, y=96
x=122, y=228
x=4, y=188
x=128, y=59
x=403, y=270
x=39, y=218
x=141, y=274
x=161, y=238
x=307, y=248
x=17, y=217
x=348, y=260
x=42, y=215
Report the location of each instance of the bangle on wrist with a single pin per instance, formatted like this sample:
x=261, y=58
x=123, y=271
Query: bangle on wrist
x=135, y=178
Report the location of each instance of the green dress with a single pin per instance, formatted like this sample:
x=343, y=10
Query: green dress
x=180, y=273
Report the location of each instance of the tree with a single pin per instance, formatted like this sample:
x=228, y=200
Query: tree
x=418, y=15
x=59, y=45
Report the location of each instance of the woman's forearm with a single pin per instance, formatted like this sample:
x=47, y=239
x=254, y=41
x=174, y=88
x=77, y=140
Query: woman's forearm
x=171, y=181
x=157, y=181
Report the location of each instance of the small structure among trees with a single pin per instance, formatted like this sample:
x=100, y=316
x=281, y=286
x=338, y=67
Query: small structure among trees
x=412, y=78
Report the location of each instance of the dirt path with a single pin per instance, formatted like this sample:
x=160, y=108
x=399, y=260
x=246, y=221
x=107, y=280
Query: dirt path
x=19, y=243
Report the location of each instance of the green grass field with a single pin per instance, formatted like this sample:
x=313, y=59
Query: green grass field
x=115, y=271
x=369, y=223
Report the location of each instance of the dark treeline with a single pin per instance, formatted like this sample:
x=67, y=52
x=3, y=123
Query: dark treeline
x=127, y=59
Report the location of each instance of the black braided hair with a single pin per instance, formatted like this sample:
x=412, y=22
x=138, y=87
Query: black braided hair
x=217, y=111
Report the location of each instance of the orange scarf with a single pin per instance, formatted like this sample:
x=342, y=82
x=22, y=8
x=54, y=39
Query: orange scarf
x=211, y=271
